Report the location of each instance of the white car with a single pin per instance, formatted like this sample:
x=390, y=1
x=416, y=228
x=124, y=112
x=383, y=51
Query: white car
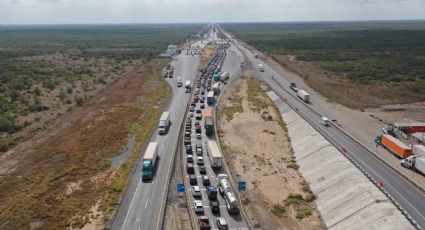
x=325, y=121
x=199, y=208
x=200, y=160
x=196, y=191
x=222, y=223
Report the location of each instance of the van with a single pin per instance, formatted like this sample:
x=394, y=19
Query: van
x=261, y=67
x=325, y=121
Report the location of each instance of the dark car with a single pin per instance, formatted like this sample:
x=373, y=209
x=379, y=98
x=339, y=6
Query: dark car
x=189, y=159
x=206, y=180
x=202, y=170
x=192, y=180
x=215, y=206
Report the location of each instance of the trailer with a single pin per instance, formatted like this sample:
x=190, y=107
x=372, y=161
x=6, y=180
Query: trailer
x=303, y=95
x=395, y=146
x=216, y=88
x=216, y=158
x=209, y=122
x=210, y=98
x=226, y=191
x=164, y=123
x=149, y=160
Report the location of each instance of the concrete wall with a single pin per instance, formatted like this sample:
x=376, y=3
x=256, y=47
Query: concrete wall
x=346, y=199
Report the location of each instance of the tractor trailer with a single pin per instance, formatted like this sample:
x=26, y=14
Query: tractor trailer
x=226, y=191
x=215, y=155
x=149, y=160
x=303, y=95
x=416, y=161
x=164, y=123
x=208, y=122
x=395, y=146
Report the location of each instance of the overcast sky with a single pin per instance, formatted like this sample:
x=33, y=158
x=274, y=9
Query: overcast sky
x=163, y=11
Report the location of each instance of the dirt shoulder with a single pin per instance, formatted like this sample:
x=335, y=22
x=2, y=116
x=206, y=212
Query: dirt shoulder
x=63, y=177
x=206, y=55
x=258, y=150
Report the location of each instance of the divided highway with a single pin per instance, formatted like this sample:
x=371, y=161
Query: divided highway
x=404, y=192
x=143, y=205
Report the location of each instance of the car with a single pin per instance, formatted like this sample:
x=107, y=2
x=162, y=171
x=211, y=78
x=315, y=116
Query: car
x=202, y=170
x=215, y=206
x=196, y=191
x=192, y=180
x=205, y=180
x=325, y=121
x=189, y=149
x=189, y=158
x=198, y=116
x=198, y=111
x=199, y=149
x=191, y=114
x=200, y=160
x=202, y=106
x=190, y=169
x=192, y=109
x=204, y=223
x=222, y=223
x=198, y=136
x=197, y=205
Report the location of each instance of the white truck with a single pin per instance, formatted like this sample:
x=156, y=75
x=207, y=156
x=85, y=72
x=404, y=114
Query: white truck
x=416, y=161
x=164, y=123
x=216, y=158
x=261, y=67
x=225, y=76
x=187, y=86
x=179, y=82
x=303, y=95
x=226, y=191
x=149, y=160
x=210, y=98
x=216, y=88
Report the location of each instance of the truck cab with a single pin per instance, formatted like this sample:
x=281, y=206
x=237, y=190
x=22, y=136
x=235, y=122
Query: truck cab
x=147, y=169
x=261, y=67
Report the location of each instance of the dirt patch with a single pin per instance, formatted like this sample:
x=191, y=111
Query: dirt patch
x=38, y=187
x=257, y=146
x=349, y=93
x=206, y=55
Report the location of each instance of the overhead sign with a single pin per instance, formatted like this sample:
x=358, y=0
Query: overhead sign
x=242, y=185
x=180, y=187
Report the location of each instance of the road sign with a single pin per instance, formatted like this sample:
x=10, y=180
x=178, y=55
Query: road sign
x=242, y=185
x=180, y=187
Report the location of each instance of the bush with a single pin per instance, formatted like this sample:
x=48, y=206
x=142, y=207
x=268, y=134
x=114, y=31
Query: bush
x=79, y=101
x=7, y=124
x=62, y=95
x=37, y=91
x=49, y=84
x=293, y=199
x=5, y=143
x=278, y=210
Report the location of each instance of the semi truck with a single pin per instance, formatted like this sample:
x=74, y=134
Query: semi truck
x=216, y=158
x=217, y=77
x=149, y=160
x=261, y=67
x=208, y=122
x=210, y=98
x=395, y=146
x=164, y=123
x=416, y=161
x=226, y=191
x=303, y=95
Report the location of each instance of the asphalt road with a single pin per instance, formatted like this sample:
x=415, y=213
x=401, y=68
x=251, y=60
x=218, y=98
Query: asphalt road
x=404, y=192
x=231, y=65
x=143, y=204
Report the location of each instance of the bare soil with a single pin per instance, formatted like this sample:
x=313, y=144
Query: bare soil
x=256, y=145
x=62, y=178
x=206, y=55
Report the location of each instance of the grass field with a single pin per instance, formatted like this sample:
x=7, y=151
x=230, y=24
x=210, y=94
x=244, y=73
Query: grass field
x=46, y=70
x=388, y=55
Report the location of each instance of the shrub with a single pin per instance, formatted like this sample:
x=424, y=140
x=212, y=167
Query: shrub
x=37, y=91
x=278, y=210
x=5, y=143
x=62, y=95
x=79, y=101
x=49, y=84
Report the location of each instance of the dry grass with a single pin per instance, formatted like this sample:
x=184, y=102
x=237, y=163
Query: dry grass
x=34, y=193
x=206, y=55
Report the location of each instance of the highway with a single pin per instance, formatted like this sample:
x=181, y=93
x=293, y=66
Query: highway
x=142, y=205
x=231, y=65
x=411, y=199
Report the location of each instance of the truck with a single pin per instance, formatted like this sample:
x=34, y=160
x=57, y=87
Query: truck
x=187, y=86
x=164, y=123
x=261, y=67
x=216, y=158
x=225, y=76
x=216, y=88
x=303, y=95
x=217, y=77
x=179, y=82
x=149, y=160
x=209, y=122
x=226, y=191
x=210, y=98
x=293, y=86
x=414, y=163
x=395, y=146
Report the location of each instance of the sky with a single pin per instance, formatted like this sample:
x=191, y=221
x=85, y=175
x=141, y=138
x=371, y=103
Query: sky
x=177, y=11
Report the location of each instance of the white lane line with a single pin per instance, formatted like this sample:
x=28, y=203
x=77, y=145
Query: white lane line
x=132, y=200
x=147, y=201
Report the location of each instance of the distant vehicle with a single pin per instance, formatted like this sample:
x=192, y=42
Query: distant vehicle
x=226, y=191
x=210, y=98
x=196, y=191
x=325, y=121
x=256, y=55
x=395, y=146
x=214, y=154
x=149, y=160
x=212, y=192
x=187, y=86
x=200, y=160
x=190, y=169
x=164, y=123
x=205, y=180
x=204, y=223
x=202, y=170
x=189, y=158
x=208, y=122
x=215, y=206
x=197, y=205
x=261, y=67
x=303, y=95
x=179, y=82
x=217, y=77
x=225, y=76
x=222, y=224
x=293, y=87
x=193, y=180
x=216, y=88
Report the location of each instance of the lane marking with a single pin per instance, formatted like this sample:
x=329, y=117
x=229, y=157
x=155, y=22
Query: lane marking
x=132, y=200
x=147, y=201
